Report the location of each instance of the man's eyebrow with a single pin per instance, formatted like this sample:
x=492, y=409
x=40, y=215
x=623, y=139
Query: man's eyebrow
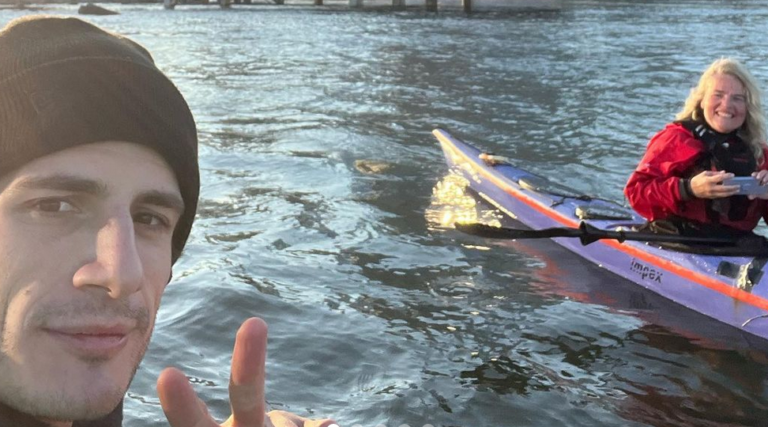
x=163, y=199
x=62, y=182
x=76, y=184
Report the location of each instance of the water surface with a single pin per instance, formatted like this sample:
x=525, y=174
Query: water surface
x=318, y=213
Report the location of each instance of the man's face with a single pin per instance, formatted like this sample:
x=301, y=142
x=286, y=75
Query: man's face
x=85, y=254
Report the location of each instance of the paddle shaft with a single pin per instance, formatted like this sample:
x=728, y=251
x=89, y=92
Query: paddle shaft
x=586, y=233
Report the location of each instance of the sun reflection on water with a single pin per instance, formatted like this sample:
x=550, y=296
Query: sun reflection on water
x=452, y=203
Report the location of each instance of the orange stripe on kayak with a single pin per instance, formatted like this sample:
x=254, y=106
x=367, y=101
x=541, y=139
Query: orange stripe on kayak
x=704, y=280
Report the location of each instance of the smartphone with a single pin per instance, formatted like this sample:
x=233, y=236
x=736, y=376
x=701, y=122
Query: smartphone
x=747, y=185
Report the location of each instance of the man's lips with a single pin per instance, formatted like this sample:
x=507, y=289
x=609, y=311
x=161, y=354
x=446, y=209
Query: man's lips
x=92, y=340
x=93, y=329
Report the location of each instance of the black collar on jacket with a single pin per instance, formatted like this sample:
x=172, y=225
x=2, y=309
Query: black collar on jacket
x=12, y=418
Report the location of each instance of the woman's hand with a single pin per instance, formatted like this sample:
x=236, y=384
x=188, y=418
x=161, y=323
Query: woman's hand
x=708, y=185
x=761, y=176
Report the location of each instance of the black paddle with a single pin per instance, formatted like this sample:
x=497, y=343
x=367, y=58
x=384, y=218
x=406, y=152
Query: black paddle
x=586, y=233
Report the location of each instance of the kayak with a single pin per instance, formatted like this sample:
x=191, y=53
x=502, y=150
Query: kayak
x=730, y=289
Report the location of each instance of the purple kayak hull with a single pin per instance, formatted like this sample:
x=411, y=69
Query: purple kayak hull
x=698, y=282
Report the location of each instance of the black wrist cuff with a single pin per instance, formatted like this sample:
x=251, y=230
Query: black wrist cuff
x=686, y=192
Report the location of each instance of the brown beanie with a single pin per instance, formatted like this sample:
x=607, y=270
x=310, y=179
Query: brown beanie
x=65, y=82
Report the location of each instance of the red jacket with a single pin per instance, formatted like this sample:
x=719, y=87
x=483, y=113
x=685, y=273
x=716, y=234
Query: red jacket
x=653, y=190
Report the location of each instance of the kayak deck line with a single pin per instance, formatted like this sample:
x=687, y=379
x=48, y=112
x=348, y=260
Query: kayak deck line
x=670, y=266
x=497, y=205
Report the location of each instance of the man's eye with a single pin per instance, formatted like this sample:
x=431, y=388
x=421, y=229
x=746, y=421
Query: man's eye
x=54, y=206
x=150, y=219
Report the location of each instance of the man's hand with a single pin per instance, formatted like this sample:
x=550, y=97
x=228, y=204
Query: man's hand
x=183, y=408
x=708, y=185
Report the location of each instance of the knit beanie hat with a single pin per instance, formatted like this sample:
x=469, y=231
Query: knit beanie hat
x=65, y=82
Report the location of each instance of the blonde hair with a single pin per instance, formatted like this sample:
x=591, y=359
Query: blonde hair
x=753, y=129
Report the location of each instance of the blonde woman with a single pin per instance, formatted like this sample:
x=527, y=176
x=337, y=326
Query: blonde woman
x=719, y=134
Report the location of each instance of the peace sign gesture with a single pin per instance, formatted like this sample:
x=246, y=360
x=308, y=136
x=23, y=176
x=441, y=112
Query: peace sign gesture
x=183, y=408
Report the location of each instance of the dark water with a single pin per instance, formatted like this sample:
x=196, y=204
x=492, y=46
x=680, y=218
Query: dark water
x=318, y=213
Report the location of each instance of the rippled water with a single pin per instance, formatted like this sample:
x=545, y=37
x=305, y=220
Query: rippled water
x=318, y=213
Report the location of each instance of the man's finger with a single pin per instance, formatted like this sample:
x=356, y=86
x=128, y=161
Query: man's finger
x=246, y=384
x=287, y=419
x=180, y=402
x=321, y=423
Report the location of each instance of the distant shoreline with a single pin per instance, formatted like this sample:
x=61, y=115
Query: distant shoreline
x=40, y=4
x=483, y=4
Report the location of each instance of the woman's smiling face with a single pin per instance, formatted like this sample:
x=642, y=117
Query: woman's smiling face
x=725, y=103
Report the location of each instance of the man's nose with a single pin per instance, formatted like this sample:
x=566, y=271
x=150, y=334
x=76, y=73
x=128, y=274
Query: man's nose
x=116, y=265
